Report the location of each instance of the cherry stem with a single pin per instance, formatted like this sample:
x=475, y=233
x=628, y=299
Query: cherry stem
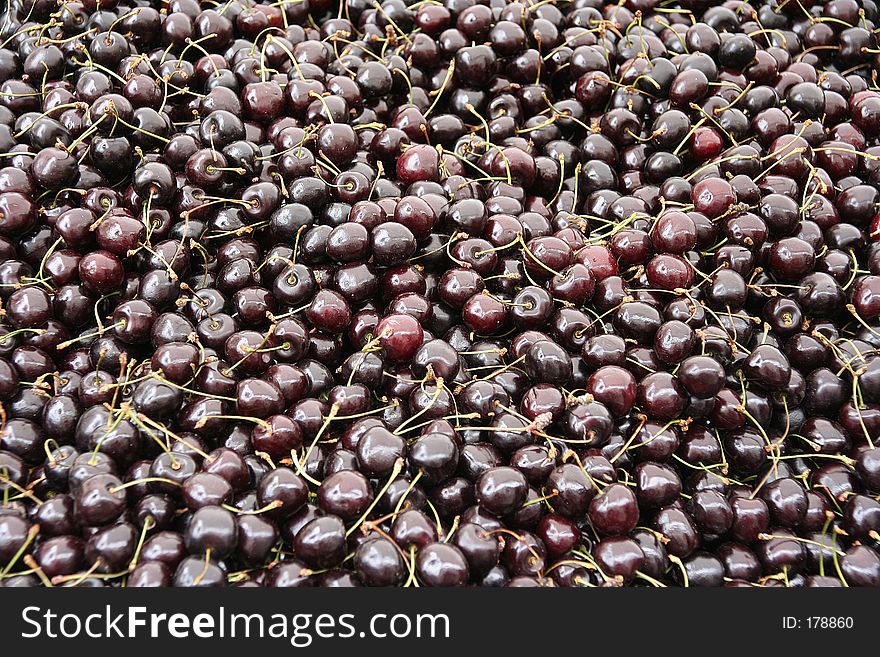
x=334, y=410
x=32, y=564
x=439, y=388
x=4, y=479
x=31, y=535
x=274, y=504
x=143, y=480
x=395, y=471
x=198, y=579
x=678, y=562
x=149, y=523
x=409, y=489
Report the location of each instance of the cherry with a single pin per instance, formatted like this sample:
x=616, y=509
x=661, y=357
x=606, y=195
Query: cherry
x=480, y=548
x=661, y=395
x=413, y=529
x=378, y=562
x=378, y=450
x=441, y=564
x=283, y=490
x=346, y=494
x=859, y=566
x=14, y=535
x=768, y=367
x=434, y=454
x=321, y=542
x=701, y=376
x=573, y=489
x=501, y=490
x=199, y=572
x=54, y=168
x=392, y=244
x=614, y=511
x=419, y=162
x=112, y=547
x=149, y=575
x=206, y=489
x=677, y=526
x=781, y=551
x=706, y=143
x=713, y=197
x=176, y=361
x=99, y=499
x=674, y=341
x=101, y=271
x=540, y=399
x=477, y=309
x=524, y=555
x=547, y=362
x=620, y=557
x=258, y=398
x=711, y=511
x=484, y=314
x=861, y=515
x=60, y=555
x=868, y=466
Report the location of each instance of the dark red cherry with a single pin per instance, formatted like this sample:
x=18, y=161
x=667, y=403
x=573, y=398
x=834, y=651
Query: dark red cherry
x=614, y=511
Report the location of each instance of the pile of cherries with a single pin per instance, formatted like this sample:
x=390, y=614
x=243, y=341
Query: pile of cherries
x=439, y=293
